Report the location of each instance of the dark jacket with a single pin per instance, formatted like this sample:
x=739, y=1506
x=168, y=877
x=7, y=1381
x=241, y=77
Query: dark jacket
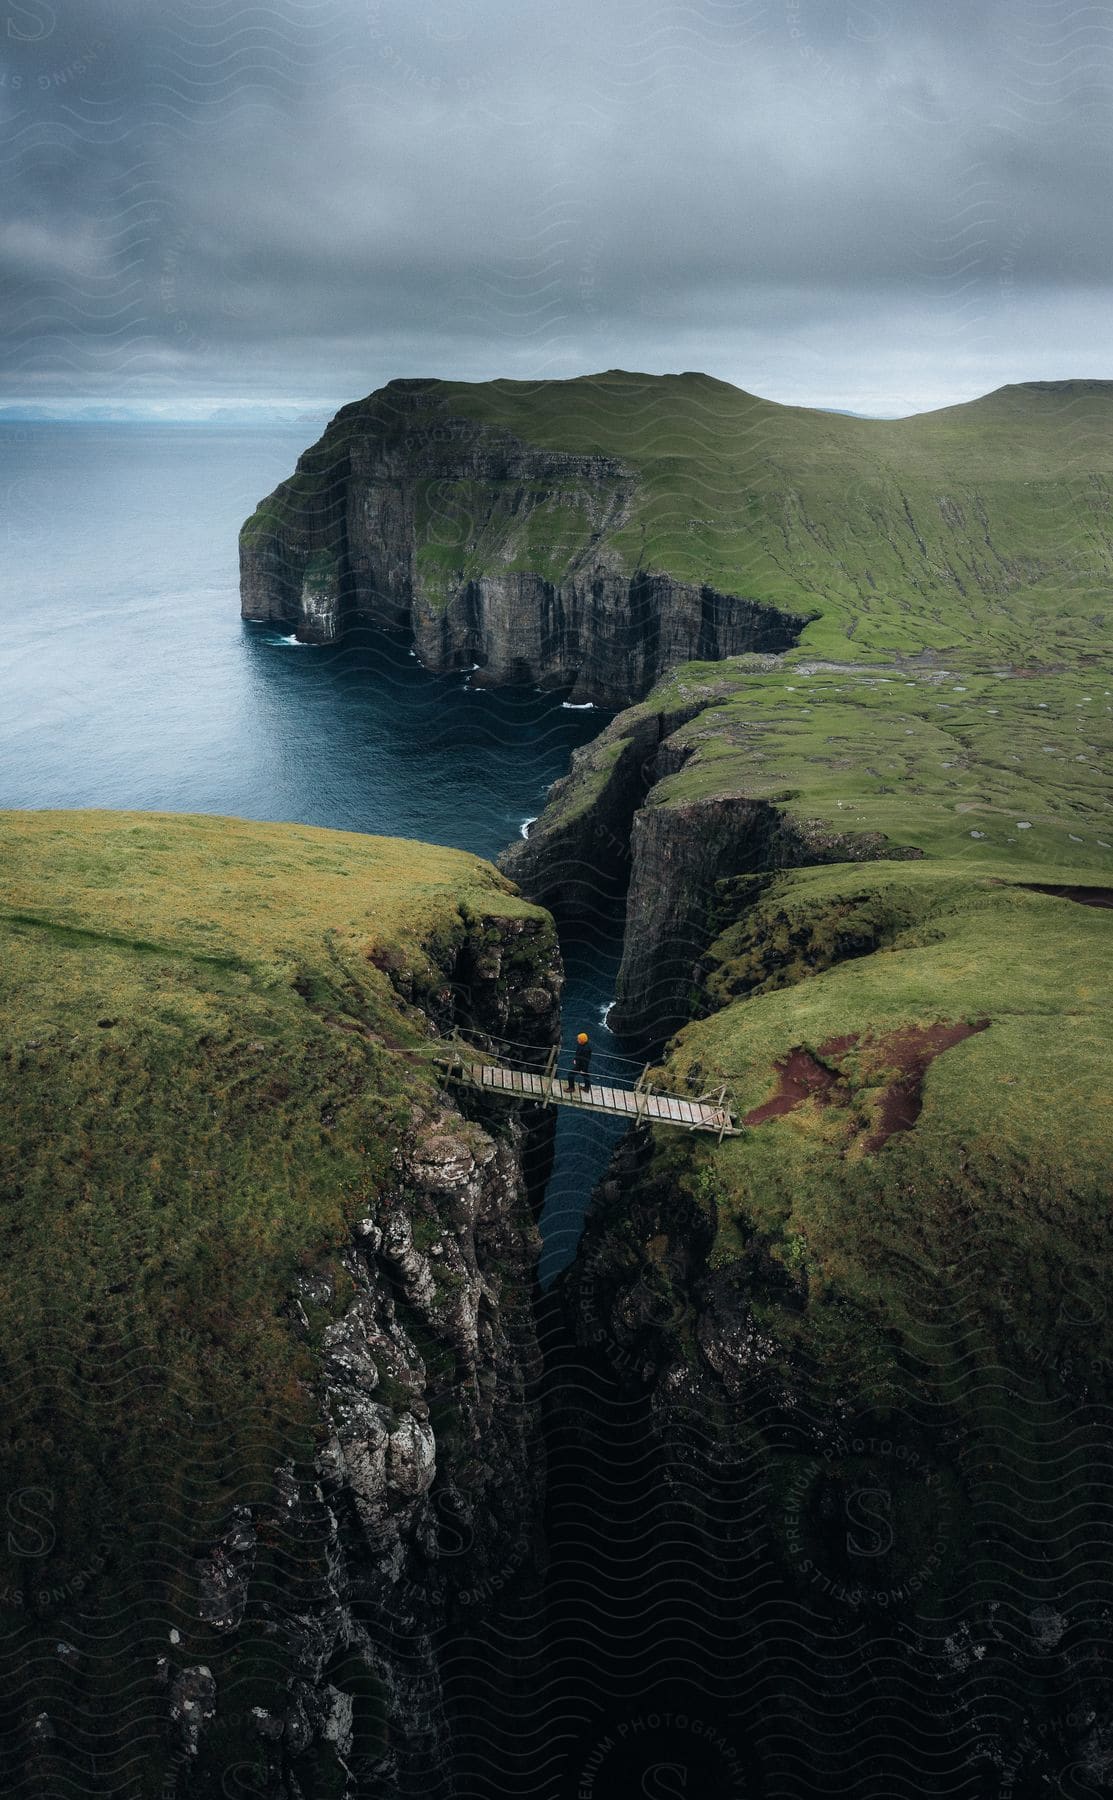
x=581, y=1062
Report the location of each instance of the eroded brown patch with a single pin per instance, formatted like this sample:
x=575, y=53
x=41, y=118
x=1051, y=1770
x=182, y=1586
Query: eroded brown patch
x=908, y=1054
x=800, y=1076
x=899, y=1059
x=1085, y=896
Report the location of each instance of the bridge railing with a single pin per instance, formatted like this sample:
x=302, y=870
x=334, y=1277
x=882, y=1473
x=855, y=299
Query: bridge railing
x=554, y=1068
x=608, y=1067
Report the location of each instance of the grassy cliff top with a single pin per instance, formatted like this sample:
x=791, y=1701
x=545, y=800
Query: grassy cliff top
x=1000, y=767
x=208, y=1067
x=206, y=1075
x=919, y=1048
x=636, y=416
x=918, y=1212
x=1022, y=1103
x=264, y=894
x=980, y=529
x=907, y=1252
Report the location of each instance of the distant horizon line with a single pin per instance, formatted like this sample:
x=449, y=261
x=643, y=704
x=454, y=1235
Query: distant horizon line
x=301, y=410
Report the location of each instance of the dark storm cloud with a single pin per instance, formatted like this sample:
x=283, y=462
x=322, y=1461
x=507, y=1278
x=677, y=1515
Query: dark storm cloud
x=870, y=203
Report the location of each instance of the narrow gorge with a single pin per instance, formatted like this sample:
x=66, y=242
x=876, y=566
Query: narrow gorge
x=773, y=1420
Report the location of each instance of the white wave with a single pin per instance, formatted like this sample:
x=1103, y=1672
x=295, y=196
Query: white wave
x=292, y=639
x=605, y=1010
x=578, y=705
x=525, y=825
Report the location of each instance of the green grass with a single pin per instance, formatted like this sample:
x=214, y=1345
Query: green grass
x=954, y=942
x=884, y=529
x=998, y=782
x=986, y=765
x=983, y=526
x=956, y=566
x=989, y=766
x=206, y=1074
x=464, y=528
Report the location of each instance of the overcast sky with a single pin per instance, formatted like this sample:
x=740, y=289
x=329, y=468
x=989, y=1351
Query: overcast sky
x=885, y=205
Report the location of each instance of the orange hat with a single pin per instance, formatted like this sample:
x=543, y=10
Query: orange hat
x=582, y=1039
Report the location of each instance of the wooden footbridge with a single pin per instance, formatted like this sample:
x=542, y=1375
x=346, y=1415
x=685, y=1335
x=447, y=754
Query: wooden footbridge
x=519, y=1079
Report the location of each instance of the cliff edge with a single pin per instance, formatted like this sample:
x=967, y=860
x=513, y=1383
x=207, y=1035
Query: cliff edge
x=267, y=1339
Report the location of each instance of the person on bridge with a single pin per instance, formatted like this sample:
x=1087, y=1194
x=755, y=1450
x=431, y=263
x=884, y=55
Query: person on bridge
x=581, y=1063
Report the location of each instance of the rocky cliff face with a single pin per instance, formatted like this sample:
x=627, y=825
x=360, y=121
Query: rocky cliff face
x=850, y=1352
x=495, y=553
x=578, y=852
x=680, y=852
x=418, y=1518
x=426, y=1490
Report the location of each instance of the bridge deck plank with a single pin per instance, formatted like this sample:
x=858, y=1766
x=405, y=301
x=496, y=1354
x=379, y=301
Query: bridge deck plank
x=663, y=1109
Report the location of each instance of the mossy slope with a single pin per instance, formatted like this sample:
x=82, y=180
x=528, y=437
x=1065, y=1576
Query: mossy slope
x=207, y=1073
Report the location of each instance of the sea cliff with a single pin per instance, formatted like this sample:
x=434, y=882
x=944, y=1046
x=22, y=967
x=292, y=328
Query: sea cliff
x=268, y=1347
x=592, y=534
x=496, y=554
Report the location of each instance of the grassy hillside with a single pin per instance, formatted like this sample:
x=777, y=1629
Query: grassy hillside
x=207, y=1072
x=1023, y=1105
x=884, y=528
x=889, y=1297
x=917, y=1213
x=916, y=1222
x=893, y=533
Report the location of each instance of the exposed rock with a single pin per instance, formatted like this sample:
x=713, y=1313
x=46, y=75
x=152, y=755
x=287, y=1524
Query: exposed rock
x=1048, y=1626
x=292, y=1464
x=770, y=1441
x=223, y=1575
x=431, y=1432
x=192, y=1704
x=577, y=852
x=606, y=826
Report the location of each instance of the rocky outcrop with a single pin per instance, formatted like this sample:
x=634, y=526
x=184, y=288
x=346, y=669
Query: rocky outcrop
x=426, y=1488
x=496, y=555
x=276, y=1484
x=426, y=1485
x=577, y=853
x=429, y=1478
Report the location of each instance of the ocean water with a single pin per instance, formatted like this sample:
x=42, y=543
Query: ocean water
x=127, y=679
